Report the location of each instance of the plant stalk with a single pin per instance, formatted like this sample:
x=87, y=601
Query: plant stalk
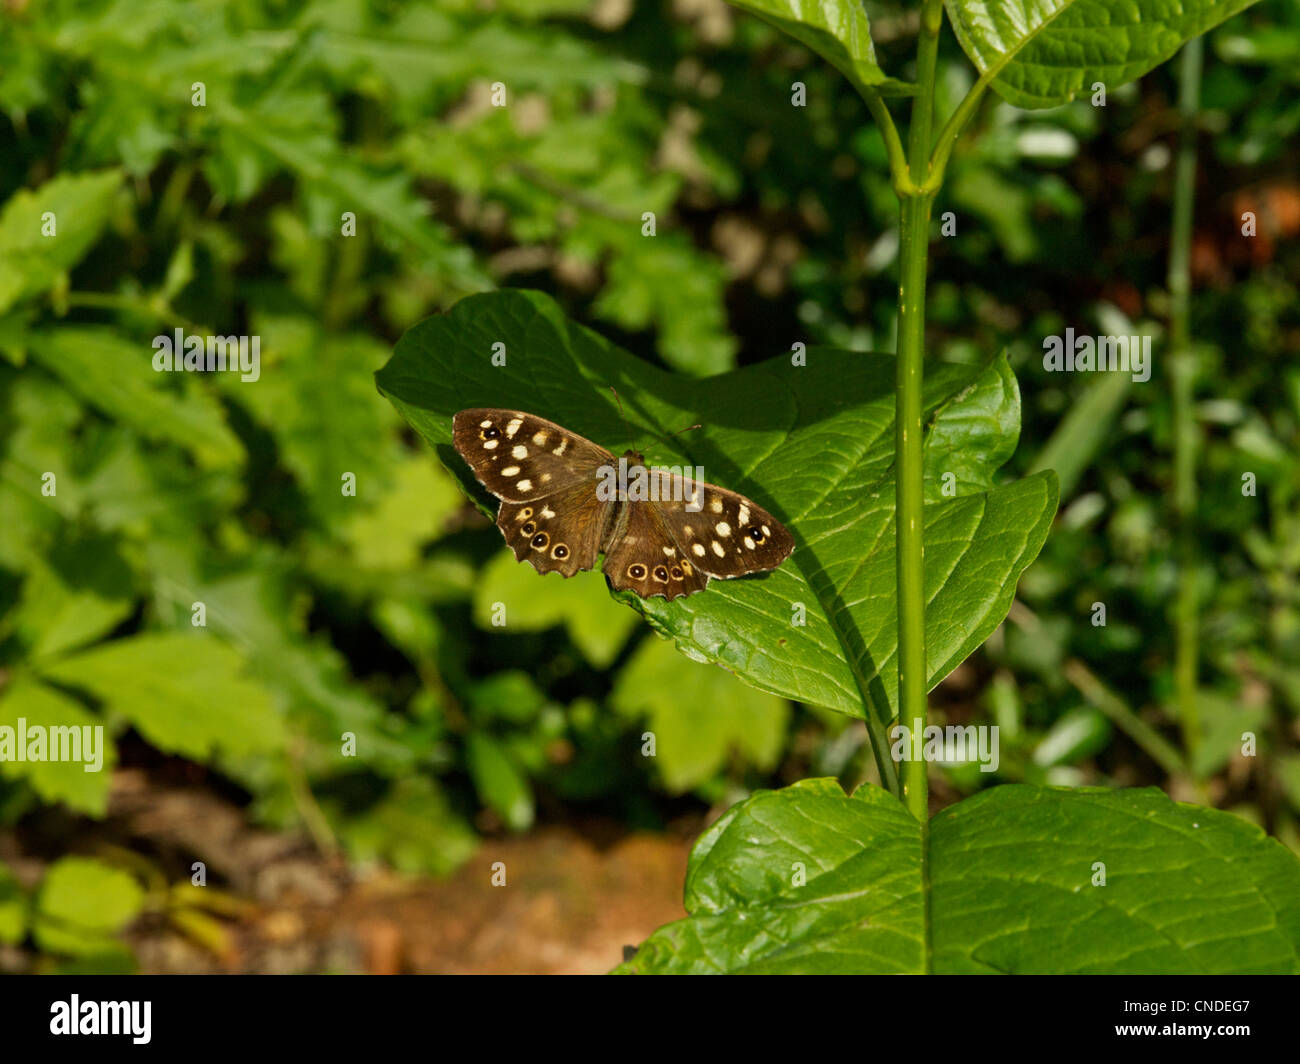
x=914, y=240
x=1182, y=370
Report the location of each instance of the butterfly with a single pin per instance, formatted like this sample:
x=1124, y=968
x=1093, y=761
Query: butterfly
x=565, y=500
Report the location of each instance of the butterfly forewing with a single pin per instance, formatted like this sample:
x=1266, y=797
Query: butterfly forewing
x=521, y=457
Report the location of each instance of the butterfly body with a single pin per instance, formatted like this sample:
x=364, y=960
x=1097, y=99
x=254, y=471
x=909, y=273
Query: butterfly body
x=565, y=501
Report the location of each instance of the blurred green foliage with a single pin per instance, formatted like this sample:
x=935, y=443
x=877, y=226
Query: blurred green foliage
x=328, y=614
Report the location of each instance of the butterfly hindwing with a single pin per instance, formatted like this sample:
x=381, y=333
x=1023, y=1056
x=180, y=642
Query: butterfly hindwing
x=560, y=532
x=520, y=457
x=643, y=557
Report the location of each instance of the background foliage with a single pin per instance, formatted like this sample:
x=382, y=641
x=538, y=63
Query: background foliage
x=329, y=614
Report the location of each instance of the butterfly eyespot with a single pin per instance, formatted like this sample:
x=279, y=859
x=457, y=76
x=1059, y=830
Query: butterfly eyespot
x=755, y=533
x=540, y=540
x=529, y=528
x=661, y=574
x=636, y=572
x=561, y=551
x=677, y=573
x=489, y=434
x=524, y=514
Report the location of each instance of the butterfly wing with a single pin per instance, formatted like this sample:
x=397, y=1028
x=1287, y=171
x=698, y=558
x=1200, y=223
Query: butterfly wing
x=560, y=532
x=523, y=458
x=723, y=533
x=643, y=556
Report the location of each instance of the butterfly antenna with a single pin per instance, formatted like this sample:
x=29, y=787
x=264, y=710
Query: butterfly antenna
x=626, y=424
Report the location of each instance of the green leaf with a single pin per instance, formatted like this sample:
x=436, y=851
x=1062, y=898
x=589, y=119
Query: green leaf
x=1079, y=733
x=412, y=829
x=972, y=434
x=314, y=398
x=698, y=714
x=116, y=377
x=184, y=692
x=807, y=879
x=1041, y=53
x=82, y=904
x=838, y=31
x=533, y=603
x=254, y=610
x=62, y=610
x=813, y=443
x=499, y=782
x=389, y=532
x=30, y=261
x=71, y=782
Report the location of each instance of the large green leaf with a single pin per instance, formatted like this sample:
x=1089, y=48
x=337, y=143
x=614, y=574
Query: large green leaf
x=1040, y=53
x=807, y=879
x=838, y=30
x=814, y=443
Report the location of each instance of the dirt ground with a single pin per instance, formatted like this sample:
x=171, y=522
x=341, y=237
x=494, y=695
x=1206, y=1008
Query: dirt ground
x=571, y=902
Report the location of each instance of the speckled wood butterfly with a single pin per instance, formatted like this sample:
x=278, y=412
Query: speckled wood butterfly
x=564, y=500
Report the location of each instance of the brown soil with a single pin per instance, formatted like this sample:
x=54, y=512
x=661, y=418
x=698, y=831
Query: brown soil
x=276, y=905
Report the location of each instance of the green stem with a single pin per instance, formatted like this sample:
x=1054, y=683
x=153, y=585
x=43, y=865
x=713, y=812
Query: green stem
x=1182, y=371
x=893, y=145
x=914, y=238
x=951, y=130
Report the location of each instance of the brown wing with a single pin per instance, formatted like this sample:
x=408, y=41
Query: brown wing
x=643, y=556
x=559, y=532
x=521, y=457
x=722, y=532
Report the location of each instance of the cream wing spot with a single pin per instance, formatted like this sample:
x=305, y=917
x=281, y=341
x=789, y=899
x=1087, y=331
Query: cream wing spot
x=698, y=549
x=670, y=552
x=512, y=426
x=715, y=504
x=717, y=548
x=510, y=471
x=749, y=543
x=547, y=512
x=524, y=485
x=723, y=529
x=742, y=518
x=520, y=451
x=485, y=424
x=540, y=438
x=490, y=445
x=560, y=449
